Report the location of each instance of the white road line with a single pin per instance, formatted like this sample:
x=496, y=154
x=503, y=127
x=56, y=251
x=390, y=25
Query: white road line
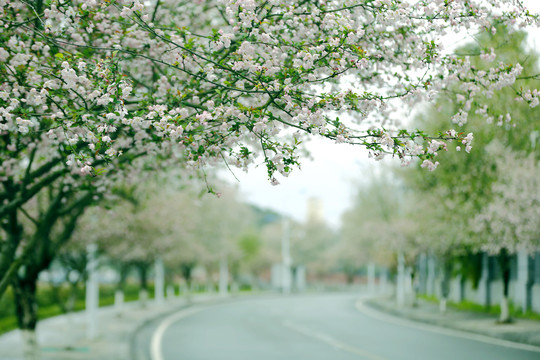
x=360, y=306
x=332, y=341
x=157, y=337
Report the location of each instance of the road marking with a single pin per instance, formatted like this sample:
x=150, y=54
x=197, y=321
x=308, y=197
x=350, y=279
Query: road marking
x=157, y=337
x=332, y=341
x=360, y=306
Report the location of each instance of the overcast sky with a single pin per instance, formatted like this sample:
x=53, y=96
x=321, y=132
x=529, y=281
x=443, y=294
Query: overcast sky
x=329, y=177
x=332, y=176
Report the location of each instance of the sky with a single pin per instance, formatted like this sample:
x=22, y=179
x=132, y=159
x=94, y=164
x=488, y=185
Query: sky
x=333, y=176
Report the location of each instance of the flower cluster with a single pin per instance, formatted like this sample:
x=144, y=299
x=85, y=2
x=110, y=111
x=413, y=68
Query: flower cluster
x=234, y=81
x=510, y=220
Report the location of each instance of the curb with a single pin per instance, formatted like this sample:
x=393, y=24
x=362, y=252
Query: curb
x=517, y=338
x=133, y=352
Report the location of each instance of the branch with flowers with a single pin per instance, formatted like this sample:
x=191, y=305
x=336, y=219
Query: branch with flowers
x=222, y=76
x=85, y=84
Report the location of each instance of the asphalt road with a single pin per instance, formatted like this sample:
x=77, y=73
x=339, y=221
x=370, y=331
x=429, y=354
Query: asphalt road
x=325, y=327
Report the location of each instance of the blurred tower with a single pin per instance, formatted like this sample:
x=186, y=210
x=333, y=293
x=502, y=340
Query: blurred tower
x=315, y=210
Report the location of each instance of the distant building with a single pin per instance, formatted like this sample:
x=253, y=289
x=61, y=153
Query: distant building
x=315, y=210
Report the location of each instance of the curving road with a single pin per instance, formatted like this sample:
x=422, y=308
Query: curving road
x=316, y=327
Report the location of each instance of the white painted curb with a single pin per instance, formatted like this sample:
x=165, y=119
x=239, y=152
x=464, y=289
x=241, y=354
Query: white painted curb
x=360, y=306
x=157, y=337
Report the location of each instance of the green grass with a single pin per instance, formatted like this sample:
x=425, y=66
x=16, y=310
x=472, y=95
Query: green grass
x=494, y=310
x=429, y=298
x=48, y=302
x=7, y=324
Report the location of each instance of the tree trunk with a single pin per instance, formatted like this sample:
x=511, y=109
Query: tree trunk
x=26, y=310
x=143, y=278
x=504, y=262
x=72, y=297
x=475, y=262
x=415, y=281
x=56, y=290
x=37, y=258
x=120, y=287
x=187, y=269
x=462, y=282
x=349, y=277
x=187, y=272
x=123, y=271
x=350, y=273
x=9, y=263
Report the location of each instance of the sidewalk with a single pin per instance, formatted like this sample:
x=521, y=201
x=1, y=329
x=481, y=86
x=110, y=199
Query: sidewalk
x=65, y=337
x=521, y=330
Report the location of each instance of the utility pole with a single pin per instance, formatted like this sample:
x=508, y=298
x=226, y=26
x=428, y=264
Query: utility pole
x=286, y=278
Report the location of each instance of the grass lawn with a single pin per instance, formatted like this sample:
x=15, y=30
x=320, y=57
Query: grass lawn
x=494, y=310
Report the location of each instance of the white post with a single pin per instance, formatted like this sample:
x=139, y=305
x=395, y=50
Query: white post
x=286, y=258
x=209, y=282
x=223, y=276
x=400, y=286
x=408, y=290
x=522, y=279
x=430, y=286
x=170, y=292
x=143, y=298
x=159, y=281
x=383, y=285
x=276, y=277
x=92, y=292
x=300, y=278
x=183, y=289
x=371, y=278
x=118, y=301
x=422, y=274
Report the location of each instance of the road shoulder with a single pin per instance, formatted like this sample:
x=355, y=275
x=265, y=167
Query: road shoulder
x=523, y=334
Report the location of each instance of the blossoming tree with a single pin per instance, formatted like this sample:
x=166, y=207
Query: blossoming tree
x=509, y=223
x=204, y=231
x=379, y=228
x=472, y=189
x=85, y=83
